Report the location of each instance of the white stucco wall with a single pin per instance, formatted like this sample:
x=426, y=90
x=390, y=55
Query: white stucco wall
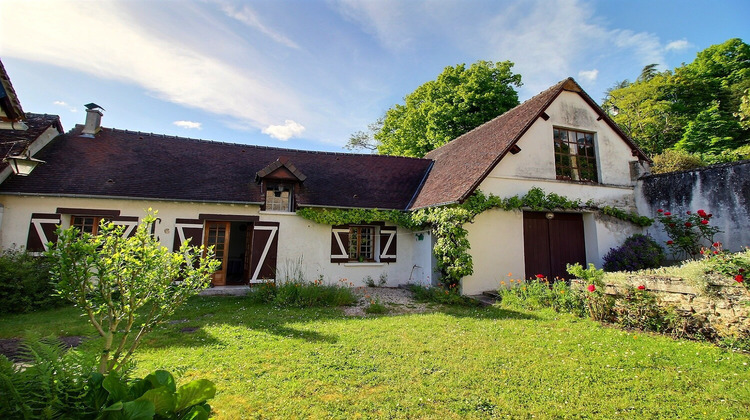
x=496, y=236
x=299, y=239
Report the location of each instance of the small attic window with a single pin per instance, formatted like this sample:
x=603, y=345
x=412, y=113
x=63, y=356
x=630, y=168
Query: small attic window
x=279, y=196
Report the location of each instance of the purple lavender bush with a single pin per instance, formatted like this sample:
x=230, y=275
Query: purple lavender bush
x=636, y=253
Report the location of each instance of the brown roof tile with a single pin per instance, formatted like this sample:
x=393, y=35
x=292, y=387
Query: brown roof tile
x=14, y=142
x=119, y=163
x=461, y=165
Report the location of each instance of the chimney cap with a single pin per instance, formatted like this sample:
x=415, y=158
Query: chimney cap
x=94, y=106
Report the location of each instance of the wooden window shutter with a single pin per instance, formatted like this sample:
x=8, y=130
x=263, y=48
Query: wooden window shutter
x=264, y=251
x=388, y=244
x=130, y=223
x=340, y=244
x=187, y=230
x=42, y=231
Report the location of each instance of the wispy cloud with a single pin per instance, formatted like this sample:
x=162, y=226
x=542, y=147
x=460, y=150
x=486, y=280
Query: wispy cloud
x=190, y=125
x=108, y=41
x=249, y=17
x=65, y=105
x=589, y=75
x=284, y=132
x=678, y=45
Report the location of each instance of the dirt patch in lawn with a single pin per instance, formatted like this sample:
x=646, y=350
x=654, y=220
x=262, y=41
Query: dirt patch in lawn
x=11, y=347
x=396, y=300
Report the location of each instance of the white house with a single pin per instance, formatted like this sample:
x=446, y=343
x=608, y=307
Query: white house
x=243, y=199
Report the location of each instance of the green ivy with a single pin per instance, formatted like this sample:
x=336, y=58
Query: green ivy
x=447, y=223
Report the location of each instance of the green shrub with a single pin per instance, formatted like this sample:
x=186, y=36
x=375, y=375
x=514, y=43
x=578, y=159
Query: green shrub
x=675, y=160
x=599, y=304
x=303, y=294
x=375, y=307
x=640, y=309
x=441, y=295
x=636, y=253
x=537, y=293
x=24, y=282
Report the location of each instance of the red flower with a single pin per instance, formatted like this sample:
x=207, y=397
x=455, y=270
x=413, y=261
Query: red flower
x=591, y=287
x=704, y=221
x=741, y=270
x=716, y=252
x=717, y=244
x=702, y=252
x=738, y=278
x=540, y=276
x=689, y=212
x=670, y=242
x=666, y=213
x=641, y=287
x=688, y=224
x=660, y=211
x=671, y=225
x=701, y=213
x=709, y=215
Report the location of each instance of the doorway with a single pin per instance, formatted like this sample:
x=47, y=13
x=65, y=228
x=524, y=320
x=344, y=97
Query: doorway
x=232, y=242
x=551, y=241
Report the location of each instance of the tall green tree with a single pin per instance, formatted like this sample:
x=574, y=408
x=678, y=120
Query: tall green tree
x=460, y=99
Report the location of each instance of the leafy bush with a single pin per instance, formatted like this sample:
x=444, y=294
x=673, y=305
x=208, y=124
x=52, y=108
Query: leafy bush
x=441, y=295
x=375, y=307
x=675, y=160
x=598, y=303
x=56, y=383
x=687, y=233
x=638, y=252
x=24, y=282
x=304, y=294
x=538, y=293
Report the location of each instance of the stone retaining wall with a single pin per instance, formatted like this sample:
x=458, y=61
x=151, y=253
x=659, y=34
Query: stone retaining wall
x=723, y=303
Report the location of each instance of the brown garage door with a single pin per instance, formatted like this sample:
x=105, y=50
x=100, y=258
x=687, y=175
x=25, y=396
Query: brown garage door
x=550, y=244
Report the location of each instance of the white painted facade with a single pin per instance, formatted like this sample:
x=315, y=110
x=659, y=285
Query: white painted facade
x=302, y=244
x=496, y=236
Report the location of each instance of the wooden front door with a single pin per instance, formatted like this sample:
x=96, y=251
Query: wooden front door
x=217, y=235
x=550, y=244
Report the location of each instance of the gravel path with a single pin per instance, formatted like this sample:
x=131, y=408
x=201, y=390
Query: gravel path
x=398, y=301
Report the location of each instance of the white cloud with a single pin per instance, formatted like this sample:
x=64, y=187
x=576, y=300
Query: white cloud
x=65, y=105
x=285, y=132
x=589, y=75
x=250, y=18
x=188, y=124
x=109, y=40
x=678, y=45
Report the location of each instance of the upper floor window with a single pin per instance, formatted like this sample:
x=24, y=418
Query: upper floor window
x=575, y=156
x=278, y=197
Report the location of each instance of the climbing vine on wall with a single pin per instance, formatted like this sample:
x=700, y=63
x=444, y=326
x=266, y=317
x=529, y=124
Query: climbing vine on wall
x=447, y=223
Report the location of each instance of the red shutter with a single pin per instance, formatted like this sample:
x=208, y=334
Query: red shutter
x=265, y=251
x=388, y=244
x=130, y=223
x=42, y=231
x=187, y=230
x=340, y=244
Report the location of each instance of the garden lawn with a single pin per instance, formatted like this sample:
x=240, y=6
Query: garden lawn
x=450, y=363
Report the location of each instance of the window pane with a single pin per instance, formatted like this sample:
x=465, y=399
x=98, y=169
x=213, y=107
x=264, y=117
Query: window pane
x=575, y=157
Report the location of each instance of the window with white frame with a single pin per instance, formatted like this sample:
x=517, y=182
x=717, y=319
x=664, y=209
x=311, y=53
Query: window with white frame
x=278, y=197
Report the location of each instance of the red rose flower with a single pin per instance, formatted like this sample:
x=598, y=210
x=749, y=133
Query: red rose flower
x=702, y=252
x=591, y=287
x=641, y=287
x=670, y=242
x=660, y=211
x=666, y=213
x=688, y=224
x=738, y=278
x=540, y=276
x=701, y=212
x=704, y=222
x=716, y=252
x=717, y=244
x=741, y=270
x=689, y=212
x=709, y=215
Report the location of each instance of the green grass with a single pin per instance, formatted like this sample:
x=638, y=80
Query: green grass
x=453, y=363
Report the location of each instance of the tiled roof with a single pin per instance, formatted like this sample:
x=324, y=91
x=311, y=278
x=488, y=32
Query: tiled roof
x=118, y=163
x=8, y=98
x=13, y=142
x=461, y=165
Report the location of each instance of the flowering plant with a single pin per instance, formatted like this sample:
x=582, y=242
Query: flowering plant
x=687, y=233
x=733, y=265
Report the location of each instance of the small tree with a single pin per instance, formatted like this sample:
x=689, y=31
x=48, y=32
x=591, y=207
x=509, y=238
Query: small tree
x=126, y=284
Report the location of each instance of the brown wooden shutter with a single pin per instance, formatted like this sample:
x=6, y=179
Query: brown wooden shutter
x=340, y=244
x=190, y=230
x=388, y=244
x=42, y=231
x=130, y=223
x=265, y=251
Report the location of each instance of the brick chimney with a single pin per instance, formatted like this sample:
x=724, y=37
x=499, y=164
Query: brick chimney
x=93, y=120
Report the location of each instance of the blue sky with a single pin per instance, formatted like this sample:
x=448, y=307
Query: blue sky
x=306, y=74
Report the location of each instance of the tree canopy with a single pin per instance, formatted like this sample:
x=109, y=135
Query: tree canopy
x=699, y=107
x=440, y=110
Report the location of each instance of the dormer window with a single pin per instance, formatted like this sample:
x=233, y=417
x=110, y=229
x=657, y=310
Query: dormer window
x=575, y=156
x=279, y=196
x=280, y=180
